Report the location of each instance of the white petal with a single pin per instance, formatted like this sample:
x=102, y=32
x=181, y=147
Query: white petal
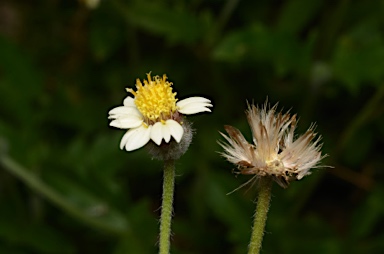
x=161, y=131
x=166, y=133
x=123, y=110
x=125, y=117
x=127, y=122
x=189, y=100
x=136, y=138
x=175, y=129
x=117, y=110
x=157, y=133
x=193, y=105
x=124, y=140
x=129, y=102
x=194, y=109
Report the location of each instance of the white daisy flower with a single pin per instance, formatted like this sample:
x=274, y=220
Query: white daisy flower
x=275, y=151
x=154, y=113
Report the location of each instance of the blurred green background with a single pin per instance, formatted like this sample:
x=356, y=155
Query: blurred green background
x=65, y=187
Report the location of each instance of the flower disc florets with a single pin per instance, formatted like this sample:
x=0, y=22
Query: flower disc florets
x=274, y=152
x=155, y=100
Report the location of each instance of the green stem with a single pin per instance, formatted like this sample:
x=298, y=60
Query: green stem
x=166, y=207
x=263, y=199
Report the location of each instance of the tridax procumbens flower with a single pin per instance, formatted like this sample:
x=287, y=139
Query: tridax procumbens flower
x=154, y=113
x=275, y=151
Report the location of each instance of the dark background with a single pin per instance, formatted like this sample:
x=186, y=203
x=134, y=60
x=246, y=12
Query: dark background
x=65, y=187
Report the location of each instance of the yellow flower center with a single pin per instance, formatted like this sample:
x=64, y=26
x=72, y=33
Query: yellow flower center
x=155, y=99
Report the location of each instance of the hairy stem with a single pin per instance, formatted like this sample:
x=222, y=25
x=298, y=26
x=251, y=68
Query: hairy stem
x=262, y=207
x=167, y=207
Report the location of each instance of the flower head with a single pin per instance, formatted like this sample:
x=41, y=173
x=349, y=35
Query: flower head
x=275, y=151
x=154, y=113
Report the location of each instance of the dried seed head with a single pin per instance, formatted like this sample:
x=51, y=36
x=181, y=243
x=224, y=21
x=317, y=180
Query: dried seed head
x=275, y=151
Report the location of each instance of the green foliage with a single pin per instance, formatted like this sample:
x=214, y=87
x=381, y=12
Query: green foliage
x=359, y=55
x=65, y=187
x=176, y=25
x=260, y=44
x=36, y=237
